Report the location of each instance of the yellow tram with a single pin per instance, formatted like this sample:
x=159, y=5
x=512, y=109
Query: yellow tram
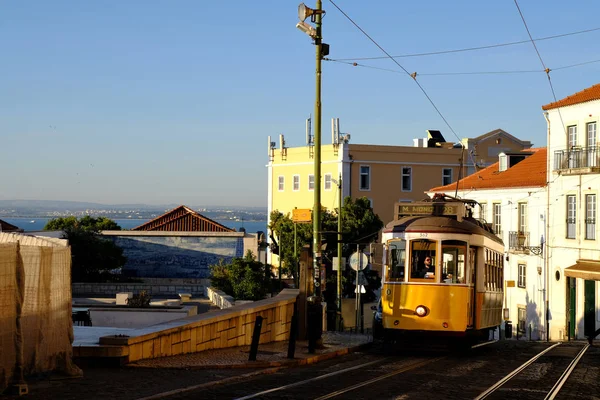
x=461, y=294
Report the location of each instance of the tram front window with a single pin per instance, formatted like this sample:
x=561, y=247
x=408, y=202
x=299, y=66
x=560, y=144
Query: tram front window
x=453, y=261
x=423, y=259
x=397, y=260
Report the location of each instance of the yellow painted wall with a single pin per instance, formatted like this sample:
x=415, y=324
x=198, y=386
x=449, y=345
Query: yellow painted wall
x=386, y=164
x=299, y=162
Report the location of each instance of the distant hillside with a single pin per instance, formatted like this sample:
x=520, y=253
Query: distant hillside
x=54, y=208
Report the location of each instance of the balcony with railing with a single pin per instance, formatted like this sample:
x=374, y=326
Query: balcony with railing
x=577, y=160
x=518, y=242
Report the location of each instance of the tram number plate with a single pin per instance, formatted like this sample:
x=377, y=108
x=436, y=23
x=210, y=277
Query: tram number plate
x=422, y=235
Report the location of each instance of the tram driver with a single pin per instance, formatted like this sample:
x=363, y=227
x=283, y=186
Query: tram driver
x=428, y=269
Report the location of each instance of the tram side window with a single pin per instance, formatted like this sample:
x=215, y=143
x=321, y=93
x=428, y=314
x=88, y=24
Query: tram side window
x=453, y=267
x=422, y=249
x=397, y=260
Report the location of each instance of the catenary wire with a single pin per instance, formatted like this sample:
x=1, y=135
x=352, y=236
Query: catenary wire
x=541, y=61
x=355, y=64
x=413, y=76
x=431, y=53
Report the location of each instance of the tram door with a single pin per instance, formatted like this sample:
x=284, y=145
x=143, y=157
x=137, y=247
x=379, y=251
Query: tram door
x=470, y=280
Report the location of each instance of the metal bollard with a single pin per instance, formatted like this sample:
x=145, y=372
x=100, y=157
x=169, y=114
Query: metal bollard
x=255, y=338
x=293, y=334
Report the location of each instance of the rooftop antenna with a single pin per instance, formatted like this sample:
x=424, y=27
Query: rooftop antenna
x=282, y=147
x=271, y=149
x=310, y=140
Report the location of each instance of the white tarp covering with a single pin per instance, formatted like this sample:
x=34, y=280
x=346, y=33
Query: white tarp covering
x=36, y=328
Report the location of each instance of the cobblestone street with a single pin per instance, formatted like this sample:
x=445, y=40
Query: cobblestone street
x=444, y=375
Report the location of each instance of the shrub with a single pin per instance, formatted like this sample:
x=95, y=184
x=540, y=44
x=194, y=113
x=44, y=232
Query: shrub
x=140, y=300
x=244, y=278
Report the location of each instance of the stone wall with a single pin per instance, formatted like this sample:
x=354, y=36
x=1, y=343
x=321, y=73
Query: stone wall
x=219, y=298
x=219, y=329
x=158, y=287
x=179, y=254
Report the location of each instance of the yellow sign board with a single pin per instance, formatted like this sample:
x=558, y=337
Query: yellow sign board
x=302, y=215
x=510, y=283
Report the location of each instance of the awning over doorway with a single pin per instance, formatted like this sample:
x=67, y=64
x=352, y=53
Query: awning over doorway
x=584, y=269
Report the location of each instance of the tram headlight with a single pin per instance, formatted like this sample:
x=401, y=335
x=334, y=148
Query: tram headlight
x=421, y=311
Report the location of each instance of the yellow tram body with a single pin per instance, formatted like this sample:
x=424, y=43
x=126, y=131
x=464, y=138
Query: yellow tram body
x=462, y=294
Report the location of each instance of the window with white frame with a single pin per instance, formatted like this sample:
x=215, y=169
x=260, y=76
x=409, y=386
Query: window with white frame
x=591, y=151
x=571, y=216
x=446, y=176
x=523, y=217
x=522, y=276
x=591, y=134
x=327, y=182
x=365, y=177
x=296, y=183
x=498, y=219
x=483, y=211
x=590, y=216
x=370, y=201
x=311, y=182
x=406, y=179
x=572, y=131
x=281, y=183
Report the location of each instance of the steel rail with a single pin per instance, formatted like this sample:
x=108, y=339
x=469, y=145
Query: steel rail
x=291, y=385
x=396, y=372
x=565, y=375
x=508, y=377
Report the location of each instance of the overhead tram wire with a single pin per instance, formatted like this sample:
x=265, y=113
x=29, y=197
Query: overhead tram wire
x=492, y=46
x=414, y=76
x=355, y=64
x=546, y=69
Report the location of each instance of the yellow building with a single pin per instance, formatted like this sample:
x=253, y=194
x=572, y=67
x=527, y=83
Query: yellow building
x=383, y=174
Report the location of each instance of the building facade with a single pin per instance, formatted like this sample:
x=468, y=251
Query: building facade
x=512, y=196
x=383, y=174
x=573, y=243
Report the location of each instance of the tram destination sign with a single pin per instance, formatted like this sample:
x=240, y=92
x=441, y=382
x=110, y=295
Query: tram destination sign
x=437, y=209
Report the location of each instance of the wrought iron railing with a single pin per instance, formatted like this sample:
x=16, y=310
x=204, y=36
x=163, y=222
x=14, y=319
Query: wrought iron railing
x=519, y=241
x=590, y=228
x=577, y=157
x=571, y=228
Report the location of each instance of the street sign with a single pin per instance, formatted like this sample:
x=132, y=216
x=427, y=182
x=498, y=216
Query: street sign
x=510, y=283
x=358, y=261
x=362, y=279
x=302, y=215
x=335, y=263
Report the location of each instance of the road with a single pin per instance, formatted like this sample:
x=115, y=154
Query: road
x=376, y=373
x=382, y=374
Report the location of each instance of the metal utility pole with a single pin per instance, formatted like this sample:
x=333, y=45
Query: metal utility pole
x=315, y=311
x=339, y=258
x=317, y=164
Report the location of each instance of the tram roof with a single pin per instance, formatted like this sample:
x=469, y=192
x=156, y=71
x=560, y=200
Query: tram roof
x=441, y=224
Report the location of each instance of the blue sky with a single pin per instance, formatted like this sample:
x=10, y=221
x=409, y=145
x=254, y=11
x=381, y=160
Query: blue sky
x=172, y=101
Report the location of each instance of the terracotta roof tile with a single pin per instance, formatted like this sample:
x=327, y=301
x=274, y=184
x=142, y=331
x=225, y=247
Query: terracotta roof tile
x=531, y=172
x=589, y=94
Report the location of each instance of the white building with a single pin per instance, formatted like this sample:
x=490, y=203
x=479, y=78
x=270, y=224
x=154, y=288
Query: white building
x=573, y=248
x=512, y=194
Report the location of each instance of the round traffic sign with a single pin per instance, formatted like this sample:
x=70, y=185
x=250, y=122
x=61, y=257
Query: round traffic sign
x=358, y=261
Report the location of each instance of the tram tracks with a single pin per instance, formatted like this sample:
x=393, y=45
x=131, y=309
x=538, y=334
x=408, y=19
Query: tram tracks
x=404, y=366
x=518, y=372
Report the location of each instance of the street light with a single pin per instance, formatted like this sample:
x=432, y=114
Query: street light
x=315, y=33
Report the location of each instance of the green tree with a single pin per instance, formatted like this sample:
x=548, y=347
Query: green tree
x=93, y=257
x=87, y=223
x=243, y=278
x=360, y=225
